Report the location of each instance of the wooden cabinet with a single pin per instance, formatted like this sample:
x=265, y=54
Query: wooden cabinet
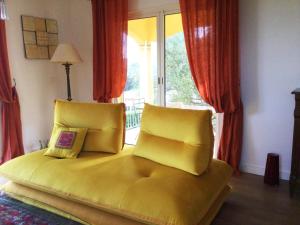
x=295, y=167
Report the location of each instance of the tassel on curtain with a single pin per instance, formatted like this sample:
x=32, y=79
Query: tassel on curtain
x=11, y=128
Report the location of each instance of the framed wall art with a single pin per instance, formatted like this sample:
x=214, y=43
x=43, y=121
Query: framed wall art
x=40, y=37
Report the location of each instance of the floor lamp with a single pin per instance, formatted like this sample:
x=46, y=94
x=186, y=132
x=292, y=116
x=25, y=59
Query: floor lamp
x=66, y=55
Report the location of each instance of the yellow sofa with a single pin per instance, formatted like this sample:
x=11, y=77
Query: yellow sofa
x=123, y=188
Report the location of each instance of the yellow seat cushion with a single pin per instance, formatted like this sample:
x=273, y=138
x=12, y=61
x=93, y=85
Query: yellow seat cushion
x=180, y=138
x=67, y=146
x=86, y=214
x=124, y=184
x=66, y=208
x=105, y=123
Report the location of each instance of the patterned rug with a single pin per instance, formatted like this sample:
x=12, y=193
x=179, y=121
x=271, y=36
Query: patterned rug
x=14, y=212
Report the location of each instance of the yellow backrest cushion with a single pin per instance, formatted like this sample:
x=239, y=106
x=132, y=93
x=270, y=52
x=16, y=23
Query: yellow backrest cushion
x=105, y=123
x=179, y=138
x=57, y=147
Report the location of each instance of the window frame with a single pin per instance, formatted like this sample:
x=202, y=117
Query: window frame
x=159, y=14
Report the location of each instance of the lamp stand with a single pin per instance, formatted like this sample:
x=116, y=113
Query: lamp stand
x=67, y=67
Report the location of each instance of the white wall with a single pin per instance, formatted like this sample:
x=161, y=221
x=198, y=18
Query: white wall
x=81, y=35
x=137, y=5
x=39, y=82
x=270, y=70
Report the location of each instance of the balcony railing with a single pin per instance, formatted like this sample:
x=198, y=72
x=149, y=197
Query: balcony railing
x=134, y=108
x=133, y=119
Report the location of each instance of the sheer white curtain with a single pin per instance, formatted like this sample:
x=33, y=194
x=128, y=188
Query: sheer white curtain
x=219, y=126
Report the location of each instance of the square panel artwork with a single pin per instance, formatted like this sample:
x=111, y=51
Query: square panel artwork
x=40, y=37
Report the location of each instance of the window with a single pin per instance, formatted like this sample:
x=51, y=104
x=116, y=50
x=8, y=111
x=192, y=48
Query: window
x=142, y=85
x=158, y=69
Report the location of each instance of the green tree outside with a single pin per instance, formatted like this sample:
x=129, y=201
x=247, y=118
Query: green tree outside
x=179, y=81
x=133, y=77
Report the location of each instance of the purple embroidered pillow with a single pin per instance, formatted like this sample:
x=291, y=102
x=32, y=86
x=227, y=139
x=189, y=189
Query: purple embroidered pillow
x=66, y=139
x=66, y=142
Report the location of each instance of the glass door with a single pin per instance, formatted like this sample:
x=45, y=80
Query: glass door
x=142, y=78
x=158, y=70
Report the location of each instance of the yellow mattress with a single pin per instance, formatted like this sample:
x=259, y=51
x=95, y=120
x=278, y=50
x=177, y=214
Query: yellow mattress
x=85, y=214
x=123, y=184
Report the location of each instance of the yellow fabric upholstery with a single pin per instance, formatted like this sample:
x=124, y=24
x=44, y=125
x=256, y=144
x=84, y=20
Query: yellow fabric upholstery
x=26, y=195
x=85, y=214
x=105, y=123
x=215, y=207
x=179, y=138
x=69, y=209
x=54, y=151
x=124, y=184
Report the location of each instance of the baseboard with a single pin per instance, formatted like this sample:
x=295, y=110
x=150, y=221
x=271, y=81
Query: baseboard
x=259, y=170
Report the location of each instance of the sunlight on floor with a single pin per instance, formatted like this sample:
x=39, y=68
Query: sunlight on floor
x=132, y=135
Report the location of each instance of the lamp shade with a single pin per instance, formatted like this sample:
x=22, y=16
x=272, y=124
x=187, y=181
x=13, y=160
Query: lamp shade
x=66, y=53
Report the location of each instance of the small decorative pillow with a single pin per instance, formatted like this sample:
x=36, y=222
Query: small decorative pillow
x=66, y=142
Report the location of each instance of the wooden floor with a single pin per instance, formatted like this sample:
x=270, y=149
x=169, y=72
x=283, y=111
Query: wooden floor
x=254, y=203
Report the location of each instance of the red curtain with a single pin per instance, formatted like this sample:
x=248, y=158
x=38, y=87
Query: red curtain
x=10, y=112
x=110, y=25
x=212, y=42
